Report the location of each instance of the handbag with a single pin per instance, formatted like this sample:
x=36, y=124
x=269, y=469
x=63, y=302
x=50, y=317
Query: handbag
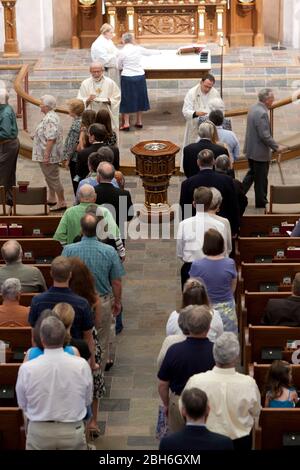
x=162, y=423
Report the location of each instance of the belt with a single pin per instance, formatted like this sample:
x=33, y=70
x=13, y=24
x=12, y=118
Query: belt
x=6, y=141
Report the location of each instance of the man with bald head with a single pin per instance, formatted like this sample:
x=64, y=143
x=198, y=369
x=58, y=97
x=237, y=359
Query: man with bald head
x=117, y=200
x=99, y=92
x=69, y=226
x=30, y=277
x=104, y=263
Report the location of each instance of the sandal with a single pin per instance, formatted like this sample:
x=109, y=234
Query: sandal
x=108, y=365
x=125, y=128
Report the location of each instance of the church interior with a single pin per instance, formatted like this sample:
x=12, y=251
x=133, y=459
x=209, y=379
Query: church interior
x=252, y=45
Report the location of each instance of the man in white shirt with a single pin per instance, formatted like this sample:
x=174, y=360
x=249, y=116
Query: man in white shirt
x=196, y=104
x=191, y=231
x=99, y=92
x=103, y=50
x=234, y=398
x=54, y=391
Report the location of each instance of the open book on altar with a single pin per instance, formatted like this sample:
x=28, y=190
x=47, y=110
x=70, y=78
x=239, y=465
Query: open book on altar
x=192, y=48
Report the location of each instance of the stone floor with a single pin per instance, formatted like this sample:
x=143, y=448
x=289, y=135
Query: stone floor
x=127, y=415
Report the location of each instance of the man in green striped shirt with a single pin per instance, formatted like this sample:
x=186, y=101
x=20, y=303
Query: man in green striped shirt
x=69, y=226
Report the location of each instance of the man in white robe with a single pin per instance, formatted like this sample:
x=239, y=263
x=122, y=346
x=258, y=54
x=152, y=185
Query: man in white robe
x=104, y=51
x=99, y=92
x=196, y=104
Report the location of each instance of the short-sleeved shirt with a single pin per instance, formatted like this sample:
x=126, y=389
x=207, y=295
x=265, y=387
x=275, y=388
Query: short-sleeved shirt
x=8, y=123
x=217, y=275
x=183, y=360
x=30, y=277
x=83, y=320
x=48, y=129
x=101, y=259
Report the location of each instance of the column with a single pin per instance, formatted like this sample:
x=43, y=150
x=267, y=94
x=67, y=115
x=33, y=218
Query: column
x=111, y=11
x=220, y=13
x=259, y=38
x=75, y=41
x=11, y=47
x=130, y=19
x=201, y=22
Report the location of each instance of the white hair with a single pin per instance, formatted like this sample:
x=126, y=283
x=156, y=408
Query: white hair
x=49, y=101
x=11, y=288
x=226, y=349
x=216, y=104
x=3, y=96
x=216, y=199
x=127, y=38
x=86, y=192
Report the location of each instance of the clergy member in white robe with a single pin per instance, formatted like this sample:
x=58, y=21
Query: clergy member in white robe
x=196, y=104
x=104, y=51
x=99, y=92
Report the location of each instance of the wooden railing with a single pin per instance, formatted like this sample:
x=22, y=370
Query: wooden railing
x=23, y=97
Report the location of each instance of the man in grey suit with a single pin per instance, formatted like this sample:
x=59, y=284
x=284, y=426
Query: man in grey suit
x=258, y=145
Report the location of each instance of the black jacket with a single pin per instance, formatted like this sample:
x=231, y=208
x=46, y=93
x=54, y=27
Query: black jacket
x=119, y=200
x=282, y=312
x=82, y=168
x=195, y=438
x=223, y=183
x=190, y=154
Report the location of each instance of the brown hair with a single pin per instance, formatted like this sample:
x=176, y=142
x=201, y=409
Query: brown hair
x=103, y=117
x=194, y=293
x=76, y=106
x=213, y=244
x=278, y=378
x=82, y=281
x=203, y=195
x=60, y=269
x=88, y=118
x=194, y=402
x=209, y=77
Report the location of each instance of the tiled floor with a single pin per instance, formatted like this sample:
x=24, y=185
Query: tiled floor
x=128, y=413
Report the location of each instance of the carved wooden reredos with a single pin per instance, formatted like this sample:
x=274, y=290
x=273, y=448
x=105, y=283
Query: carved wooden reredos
x=172, y=20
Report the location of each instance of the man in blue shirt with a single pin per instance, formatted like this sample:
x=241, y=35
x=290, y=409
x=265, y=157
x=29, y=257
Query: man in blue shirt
x=60, y=292
x=225, y=136
x=104, y=263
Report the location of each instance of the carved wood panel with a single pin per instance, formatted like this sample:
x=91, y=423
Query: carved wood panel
x=166, y=22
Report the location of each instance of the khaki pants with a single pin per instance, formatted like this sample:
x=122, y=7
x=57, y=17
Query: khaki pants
x=104, y=332
x=51, y=174
x=43, y=435
x=175, y=420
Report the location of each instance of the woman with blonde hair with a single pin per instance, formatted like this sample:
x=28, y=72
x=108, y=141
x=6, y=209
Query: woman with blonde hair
x=103, y=50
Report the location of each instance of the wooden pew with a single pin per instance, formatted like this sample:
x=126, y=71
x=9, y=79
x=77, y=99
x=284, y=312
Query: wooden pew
x=43, y=248
x=273, y=424
x=257, y=338
x=19, y=340
x=47, y=224
x=253, y=275
x=254, y=225
x=259, y=373
x=25, y=299
x=8, y=379
x=251, y=250
x=12, y=433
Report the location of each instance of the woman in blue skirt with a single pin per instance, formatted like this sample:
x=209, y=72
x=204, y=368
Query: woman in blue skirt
x=134, y=96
